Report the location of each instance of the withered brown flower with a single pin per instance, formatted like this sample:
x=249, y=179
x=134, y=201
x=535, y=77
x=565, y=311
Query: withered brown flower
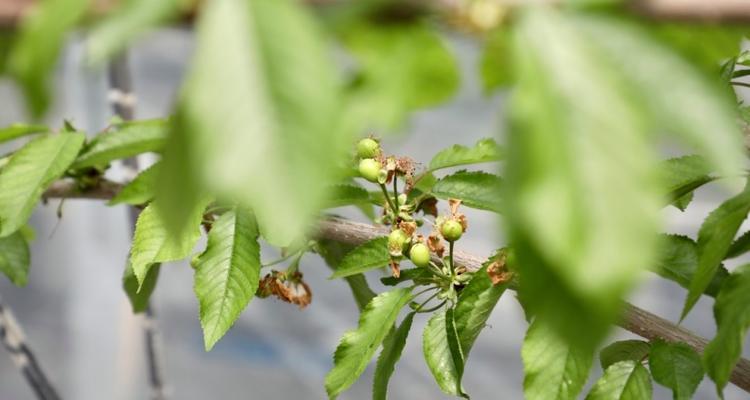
x=287, y=287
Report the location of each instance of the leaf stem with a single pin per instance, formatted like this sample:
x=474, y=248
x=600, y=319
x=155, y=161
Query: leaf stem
x=388, y=200
x=450, y=257
x=395, y=193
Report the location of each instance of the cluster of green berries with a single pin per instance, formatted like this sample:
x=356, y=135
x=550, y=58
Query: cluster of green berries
x=369, y=167
x=399, y=242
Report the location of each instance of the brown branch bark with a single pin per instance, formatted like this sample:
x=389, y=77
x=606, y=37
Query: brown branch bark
x=636, y=320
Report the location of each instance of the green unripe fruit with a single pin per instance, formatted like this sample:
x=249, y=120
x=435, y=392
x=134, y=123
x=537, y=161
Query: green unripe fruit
x=398, y=241
x=370, y=169
x=419, y=254
x=367, y=148
x=451, y=230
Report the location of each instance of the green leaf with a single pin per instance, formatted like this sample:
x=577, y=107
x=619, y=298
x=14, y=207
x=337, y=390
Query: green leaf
x=358, y=346
x=732, y=321
x=369, y=255
x=15, y=131
x=714, y=239
x=440, y=357
x=552, y=369
x=682, y=175
x=123, y=140
x=676, y=366
x=739, y=246
x=333, y=252
x=42, y=37
x=227, y=273
x=418, y=275
x=29, y=172
x=140, y=190
x=475, y=304
x=678, y=261
x=153, y=243
x=139, y=299
x=624, y=350
x=624, y=380
x=347, y=194
x=260, y=118
x=485, y=150
x=402, y=67
x=475, y=189
x=15, y=258
x=680, y=100
x=496, y=64
x=127, y=22
x=392, y=347
x=580, y=179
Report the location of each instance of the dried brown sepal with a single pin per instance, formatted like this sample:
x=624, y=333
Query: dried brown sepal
x=405, y=166
x=409, y=227
x=436, y=244
x=498, y=272
x=287, y=287
x=460, y=217
x=429, y=206
x=395, y=269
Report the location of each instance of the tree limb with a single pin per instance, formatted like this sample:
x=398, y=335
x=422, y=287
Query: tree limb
x=636, y=320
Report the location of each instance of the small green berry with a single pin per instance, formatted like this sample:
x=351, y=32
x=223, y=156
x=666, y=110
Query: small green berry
x=368, y=148
x=419, y=255
x=370, y=168
x=398, y=242
x=451, y=230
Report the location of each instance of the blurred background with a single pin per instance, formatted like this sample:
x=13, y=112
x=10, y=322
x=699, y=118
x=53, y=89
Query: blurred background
x=78, y=319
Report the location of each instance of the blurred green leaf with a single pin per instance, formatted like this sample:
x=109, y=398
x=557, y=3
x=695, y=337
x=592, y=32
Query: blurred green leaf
x=635, y=350
x=581, y=196
x=15, y=258
x=552, y=369
x=369, y=255
x=153, y=243
x=475, y=304
x=401, y=67
x=682, y=175
x=476, y=189
x=140, y=190
x=18, y=130
x=678, y=261
x=227, y=273
x=393, y=345
x=130, y=20
x=41, y=38
x=259, y=117
x=714, y=239
x=440, y=358
x=624, y=380
x=358, y=346
x=732, y=320
x=123, y=140
x=29, y=172
x=139, y=299
x=739, y=247
x=347, y=194
x=333, y=252
x=495, y=65
x=485, y=150
x=676, y=366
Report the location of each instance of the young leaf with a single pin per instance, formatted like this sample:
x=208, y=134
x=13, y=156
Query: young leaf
x=124, y=24
x=739, y=246
x=678, y=261
x=475, y=189
x=369, y=255
x=14, y=258
x=139, y=298
x=28, y=173
x=580, y=182
x=552, y=369
x=624, y=380
x=227, y=273
x=15, y=131
x=333, y=252
x=714, y=239
x=140, y=190
x=682, y=175
x=485, y=150
x=260, y=117
x=358, y=346
x=624, y=350
x=392, y=347
x=41, y=38
x=676, y=366
x=439, y=355
x=418, y=275
x=153, y=243
x=474, y=306
x=123, y=140
x=732, y=320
